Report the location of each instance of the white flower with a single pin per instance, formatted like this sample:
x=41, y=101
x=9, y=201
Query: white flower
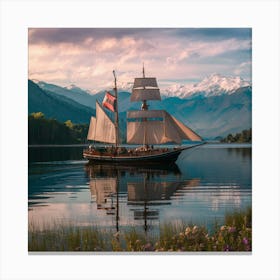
x=195, y=229
x=188, y=230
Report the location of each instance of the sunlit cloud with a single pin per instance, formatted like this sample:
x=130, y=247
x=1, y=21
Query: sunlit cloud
x=86, y=56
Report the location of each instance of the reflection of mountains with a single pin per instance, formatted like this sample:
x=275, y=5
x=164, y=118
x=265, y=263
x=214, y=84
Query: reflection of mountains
x=143, y=189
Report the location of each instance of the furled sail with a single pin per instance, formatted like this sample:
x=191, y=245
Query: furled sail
x=145, y=89
x=102, y=129
x=157, y=127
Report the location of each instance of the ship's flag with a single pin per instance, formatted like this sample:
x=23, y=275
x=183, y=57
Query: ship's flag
x=109, y=102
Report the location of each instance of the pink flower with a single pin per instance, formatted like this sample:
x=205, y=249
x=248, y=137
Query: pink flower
x=245, y=241
x=232, y=229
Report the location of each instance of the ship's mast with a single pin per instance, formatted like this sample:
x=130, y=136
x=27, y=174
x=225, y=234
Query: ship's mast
x=116, y=111
x=144, y=107
x=144, y=104
x=144, y=89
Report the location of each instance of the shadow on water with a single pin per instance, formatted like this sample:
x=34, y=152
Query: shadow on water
x=57, y=153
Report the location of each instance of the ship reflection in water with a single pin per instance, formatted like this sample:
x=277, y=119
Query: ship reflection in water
x=203, y=186
x=144, y=198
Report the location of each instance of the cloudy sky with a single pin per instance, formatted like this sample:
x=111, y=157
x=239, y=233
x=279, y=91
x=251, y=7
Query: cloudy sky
x=86, y=56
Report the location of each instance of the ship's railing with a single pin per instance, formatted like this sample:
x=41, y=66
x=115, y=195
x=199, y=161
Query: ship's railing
x=122, y=151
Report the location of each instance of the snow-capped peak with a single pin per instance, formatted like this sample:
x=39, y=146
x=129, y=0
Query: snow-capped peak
x=212, y=85
x=35, y=81
x=125, y=86
x=72, y=86
x=77, y=89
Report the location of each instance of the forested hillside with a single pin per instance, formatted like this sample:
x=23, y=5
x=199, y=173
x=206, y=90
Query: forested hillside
x=49, y=131
x=56, y=106
x=243, y=137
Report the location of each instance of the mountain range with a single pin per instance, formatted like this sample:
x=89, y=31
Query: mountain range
x=216, y=106
x=56, y=106
x=213, y=85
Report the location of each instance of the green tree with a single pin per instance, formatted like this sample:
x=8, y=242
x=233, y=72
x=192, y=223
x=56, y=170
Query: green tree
x=37, y=115
x=244, y=137
x=50, y=131
x=69, y=124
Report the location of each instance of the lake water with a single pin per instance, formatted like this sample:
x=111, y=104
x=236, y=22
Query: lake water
x=206, y=183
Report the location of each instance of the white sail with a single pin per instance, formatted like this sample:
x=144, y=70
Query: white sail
x=145, y=126
x=105, y=128
x=145, y=82
x=167, y=130
x=91, y=130
x=185, y=132
x=101, y=128
x=139, y=94
x=145, y=89
x=144, y=132
x=146, y=114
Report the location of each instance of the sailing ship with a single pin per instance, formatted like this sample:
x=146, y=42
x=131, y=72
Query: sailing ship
x=144, y=127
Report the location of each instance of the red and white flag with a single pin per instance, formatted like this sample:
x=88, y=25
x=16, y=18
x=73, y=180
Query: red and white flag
x=109, y=102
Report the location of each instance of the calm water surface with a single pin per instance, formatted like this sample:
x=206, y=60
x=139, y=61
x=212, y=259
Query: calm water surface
x=206, y=183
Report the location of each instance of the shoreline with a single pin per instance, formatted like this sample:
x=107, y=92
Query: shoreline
x=234, y=234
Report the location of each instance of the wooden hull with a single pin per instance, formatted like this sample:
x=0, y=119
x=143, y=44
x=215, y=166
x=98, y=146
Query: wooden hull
x=148, y=157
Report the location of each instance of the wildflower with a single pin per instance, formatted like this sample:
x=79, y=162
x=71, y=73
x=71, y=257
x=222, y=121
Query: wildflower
x=148, y=247
x=223, y=228
x=187, y=231
x=227, y=248
x=232, y=229
x=245, y=241
x=195, y=229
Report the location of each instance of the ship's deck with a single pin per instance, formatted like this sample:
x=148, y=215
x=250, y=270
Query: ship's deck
x=123, y=152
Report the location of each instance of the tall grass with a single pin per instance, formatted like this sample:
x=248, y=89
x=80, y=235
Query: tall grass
x=234, y=235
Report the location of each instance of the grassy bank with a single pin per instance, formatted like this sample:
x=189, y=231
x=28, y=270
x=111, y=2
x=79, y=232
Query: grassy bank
x=234, y=235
